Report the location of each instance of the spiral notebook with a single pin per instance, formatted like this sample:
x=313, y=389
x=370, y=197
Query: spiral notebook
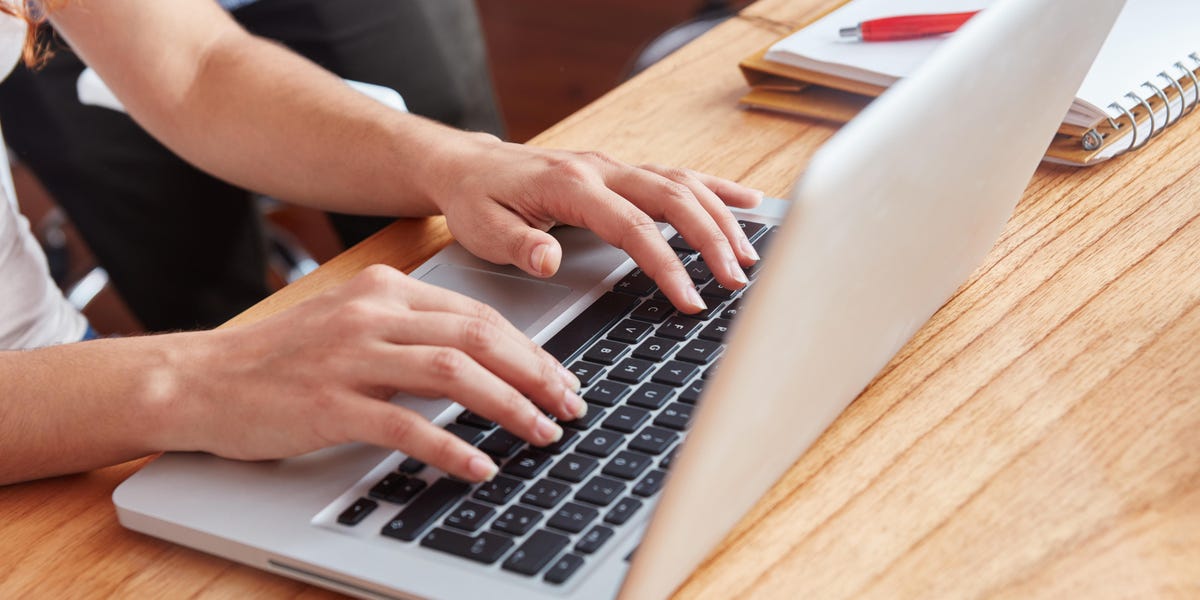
x=1144, y=80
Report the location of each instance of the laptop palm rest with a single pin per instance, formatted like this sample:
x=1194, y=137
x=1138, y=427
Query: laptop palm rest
x=522, y=301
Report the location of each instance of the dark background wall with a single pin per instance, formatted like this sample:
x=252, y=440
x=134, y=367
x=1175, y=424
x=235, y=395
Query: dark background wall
x=551, y=57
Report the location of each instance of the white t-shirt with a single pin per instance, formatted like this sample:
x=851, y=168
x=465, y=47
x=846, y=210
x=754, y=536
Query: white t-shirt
x=33, y=312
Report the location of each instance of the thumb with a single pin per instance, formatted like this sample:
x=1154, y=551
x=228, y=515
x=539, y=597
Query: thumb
x=500, y=236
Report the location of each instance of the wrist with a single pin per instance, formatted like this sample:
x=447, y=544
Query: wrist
x=451, y=160
x=167, y=385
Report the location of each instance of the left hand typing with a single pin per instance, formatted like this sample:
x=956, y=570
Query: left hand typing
x=501, y=198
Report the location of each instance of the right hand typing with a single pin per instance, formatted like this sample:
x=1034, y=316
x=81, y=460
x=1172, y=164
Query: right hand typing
x=320, y=373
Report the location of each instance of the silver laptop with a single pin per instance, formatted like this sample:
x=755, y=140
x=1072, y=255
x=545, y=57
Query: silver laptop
x=890, y=218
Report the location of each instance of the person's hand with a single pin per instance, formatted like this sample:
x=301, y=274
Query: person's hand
x=320, y=373
x=500, y=199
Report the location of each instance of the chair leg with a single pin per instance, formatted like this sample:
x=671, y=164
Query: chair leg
x=287, y=256
x=711, y=14
x=83, y=292
x=52, y=236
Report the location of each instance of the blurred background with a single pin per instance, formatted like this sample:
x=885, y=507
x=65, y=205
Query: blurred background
x=548, y=58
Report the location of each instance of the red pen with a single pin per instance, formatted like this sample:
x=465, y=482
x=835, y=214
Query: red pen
x=907, y=27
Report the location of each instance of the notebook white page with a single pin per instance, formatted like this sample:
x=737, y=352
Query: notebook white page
x=1148, y=38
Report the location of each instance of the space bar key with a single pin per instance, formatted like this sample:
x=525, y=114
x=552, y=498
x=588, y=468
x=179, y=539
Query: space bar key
x=602, y=314
x=430, y=505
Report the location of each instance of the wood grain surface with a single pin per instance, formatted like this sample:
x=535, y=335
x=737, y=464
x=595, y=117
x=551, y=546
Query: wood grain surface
x=1039, y=437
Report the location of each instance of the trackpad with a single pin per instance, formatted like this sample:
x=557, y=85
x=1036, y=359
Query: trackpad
x=522, y=301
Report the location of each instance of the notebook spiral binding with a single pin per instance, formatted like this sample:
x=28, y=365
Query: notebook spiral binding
x=1094, y=139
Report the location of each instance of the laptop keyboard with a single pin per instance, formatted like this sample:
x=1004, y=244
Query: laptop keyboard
x=643, y=366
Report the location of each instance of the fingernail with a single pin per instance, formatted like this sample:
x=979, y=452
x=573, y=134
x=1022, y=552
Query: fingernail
x=748, y=249
x=482, y=468
x=569, y=378
x=547, y=431
x=537, y=258
x=693, y=298
x=575, y=405
x=738, y=274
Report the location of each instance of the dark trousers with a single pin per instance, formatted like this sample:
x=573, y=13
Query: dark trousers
x=184, y=249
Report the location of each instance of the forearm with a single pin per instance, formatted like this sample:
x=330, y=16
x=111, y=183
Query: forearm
x=313, y=376
x=256, y=114
x=71, y=408
x=301, y=134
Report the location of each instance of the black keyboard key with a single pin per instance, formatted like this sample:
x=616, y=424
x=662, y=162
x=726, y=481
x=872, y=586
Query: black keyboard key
x=358, y=511
x=593, y=539
x=732, y=309
x=714, y=308
x=622, y=511
x=675, y=373
x=631, y=370
x=655, y=349
x=469, y=418
x=573, y=517
x=651, y=395
x=717, y=291
x=752, y=229
x=678, y=243
x=569, y=436
x=486, y=548
x=715, y=331
x=709, y=371
x=411, y=466
x=517, y=520
x=546, y=493
x=606, y=393
x=426, y=509
x=764, y=242
x=676, y=415
x=700, y=352
x=665, y=463
x=600, y=491
x=469, y=516
x=527, y=464
x=605, y=352
x=501, y=444
x=627, y=465
x=692, y=391
x=397, y=488
x=637, y=283
x=563, y=568
x=629, y=331
x=600, y=443
x=625, y=419
x=653, y=311
x=594, y=413
x=752, y=270
x=536, y=552
x=466, y=433
x=678, y=328
x=499, y=490
x=587, y=372
x=650, y=484
x=699, y=272
x=574, y=467
x=653, y=440
x=593, y=321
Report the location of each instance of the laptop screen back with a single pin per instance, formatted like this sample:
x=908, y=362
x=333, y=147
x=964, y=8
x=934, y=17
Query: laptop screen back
x=892, y=215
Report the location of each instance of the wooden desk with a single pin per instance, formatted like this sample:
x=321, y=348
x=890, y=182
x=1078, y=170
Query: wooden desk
x=1040, y=436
